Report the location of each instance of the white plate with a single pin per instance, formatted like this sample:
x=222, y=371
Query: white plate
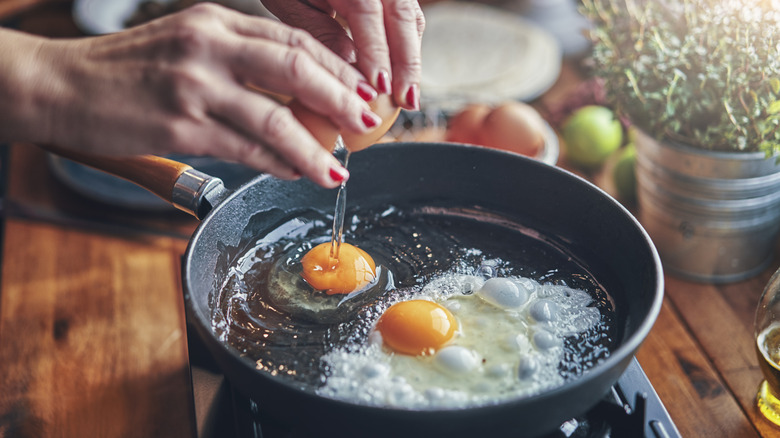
x=477, y=53
x=98, y=17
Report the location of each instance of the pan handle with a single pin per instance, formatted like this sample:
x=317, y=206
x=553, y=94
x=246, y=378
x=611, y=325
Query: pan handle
x=187, y=189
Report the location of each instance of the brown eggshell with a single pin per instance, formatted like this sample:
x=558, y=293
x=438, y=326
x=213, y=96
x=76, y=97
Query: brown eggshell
x=465, y=125
x=515, y=127
x=385, y=108
x=326, y=132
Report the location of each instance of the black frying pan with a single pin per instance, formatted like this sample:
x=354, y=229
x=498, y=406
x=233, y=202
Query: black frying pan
x=569, y=211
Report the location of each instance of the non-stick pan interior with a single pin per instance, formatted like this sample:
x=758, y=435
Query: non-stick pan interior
x=561, y=207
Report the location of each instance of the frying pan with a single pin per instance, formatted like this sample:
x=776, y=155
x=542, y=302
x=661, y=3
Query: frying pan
x=570, y=212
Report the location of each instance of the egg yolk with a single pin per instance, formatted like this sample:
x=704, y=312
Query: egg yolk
x=416, y=327
x=351, y=271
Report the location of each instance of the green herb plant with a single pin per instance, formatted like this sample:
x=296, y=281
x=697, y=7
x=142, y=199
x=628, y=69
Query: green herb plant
x=701, y=72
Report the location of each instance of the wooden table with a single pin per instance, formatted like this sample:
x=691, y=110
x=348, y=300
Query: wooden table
x=92, y=328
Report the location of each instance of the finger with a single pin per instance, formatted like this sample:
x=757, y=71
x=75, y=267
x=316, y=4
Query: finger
x=405, y=25
x=294, y=72
x=256, y=156
x=216, y=138
x=255, y=28
x=366, y=22
x=263, y=121
x=302, y=67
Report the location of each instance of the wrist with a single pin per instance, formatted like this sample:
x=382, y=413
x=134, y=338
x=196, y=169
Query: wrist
x=29, y=85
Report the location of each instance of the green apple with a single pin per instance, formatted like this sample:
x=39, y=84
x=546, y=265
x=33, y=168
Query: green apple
x=591, y=135
x=624, y=173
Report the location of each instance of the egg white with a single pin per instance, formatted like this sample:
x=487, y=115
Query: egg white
x=509, y=344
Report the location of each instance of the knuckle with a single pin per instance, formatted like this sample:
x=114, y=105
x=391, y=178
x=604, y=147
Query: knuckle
x=277, y=124
x=403, y=11
x=299, y=65
x=420, y=20
x=188, y=39
x=185, y=87
x=412, y=67
x=206, y=8
x=352, y=105
x=299, y=38
x=248, y=151
x=195, y=29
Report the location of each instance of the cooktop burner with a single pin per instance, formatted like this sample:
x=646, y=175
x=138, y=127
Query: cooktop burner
x=631, y=409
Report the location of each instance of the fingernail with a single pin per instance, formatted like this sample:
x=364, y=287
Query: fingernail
x=383, y=82
x=412, y=97
x=366, y=91
x=339, y=174
x=370, y=119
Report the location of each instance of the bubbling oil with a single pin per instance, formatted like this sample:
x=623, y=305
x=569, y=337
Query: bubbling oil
x=411, y=245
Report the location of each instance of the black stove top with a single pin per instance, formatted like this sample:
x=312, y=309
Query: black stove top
x=631, y=409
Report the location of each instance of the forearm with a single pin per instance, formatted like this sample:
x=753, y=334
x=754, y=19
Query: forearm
x=28, y=80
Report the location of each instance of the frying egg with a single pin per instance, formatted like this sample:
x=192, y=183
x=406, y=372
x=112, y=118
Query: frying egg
x=416, y=327
x=307, y=283
x=350, y=272
x=490, y=340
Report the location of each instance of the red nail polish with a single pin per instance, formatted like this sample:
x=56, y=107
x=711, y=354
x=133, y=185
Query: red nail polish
x=339, y=174
x=370, y=119
x=366, y=91
x=383, y=82
x=412, y=100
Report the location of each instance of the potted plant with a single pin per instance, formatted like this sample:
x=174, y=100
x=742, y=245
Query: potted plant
x=700, y=79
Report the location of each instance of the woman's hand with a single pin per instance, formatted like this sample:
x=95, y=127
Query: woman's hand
x=385, y=43
x=179, y=85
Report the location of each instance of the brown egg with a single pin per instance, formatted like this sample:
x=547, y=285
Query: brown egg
x=326, y=131
x=385, y=108
x=514, y=126
x=466, y=124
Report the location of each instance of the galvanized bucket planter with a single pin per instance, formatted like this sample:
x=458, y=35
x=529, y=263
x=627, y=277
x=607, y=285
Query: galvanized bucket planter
x=713, y=216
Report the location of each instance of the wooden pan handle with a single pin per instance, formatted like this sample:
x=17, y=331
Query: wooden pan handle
x=156, y=174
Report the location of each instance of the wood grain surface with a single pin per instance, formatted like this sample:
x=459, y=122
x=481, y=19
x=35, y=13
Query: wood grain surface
x=92, y=335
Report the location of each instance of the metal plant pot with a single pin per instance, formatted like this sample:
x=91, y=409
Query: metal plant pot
x=713, y=216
